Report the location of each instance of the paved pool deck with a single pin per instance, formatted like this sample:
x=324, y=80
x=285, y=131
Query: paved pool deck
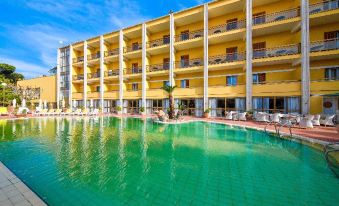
x=13, y=192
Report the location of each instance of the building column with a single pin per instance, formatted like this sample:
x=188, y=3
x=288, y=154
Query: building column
x=305, y=57
x=121, y=69
x=85, y=75
x=144, y=56
x=206, y=105
x=172, y=59
x=249, y=55
x=70, y=102
x=58, y=79
x=102, y=72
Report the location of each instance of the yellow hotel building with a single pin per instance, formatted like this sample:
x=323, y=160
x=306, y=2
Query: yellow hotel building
x=245, y=55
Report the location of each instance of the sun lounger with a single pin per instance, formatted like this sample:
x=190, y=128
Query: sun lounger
x=316, y=120
x=306, y=122
x=328, y=121
x=229, y=115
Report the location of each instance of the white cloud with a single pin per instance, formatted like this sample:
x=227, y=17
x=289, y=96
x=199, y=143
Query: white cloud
x=28, y=69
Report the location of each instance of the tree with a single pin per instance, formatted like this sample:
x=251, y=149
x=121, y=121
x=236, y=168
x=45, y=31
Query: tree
x=8, y=72
x=169, y=89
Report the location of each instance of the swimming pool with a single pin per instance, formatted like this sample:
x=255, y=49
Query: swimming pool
x=112, y=161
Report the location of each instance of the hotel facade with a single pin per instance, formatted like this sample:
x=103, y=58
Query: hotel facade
x=244, y=55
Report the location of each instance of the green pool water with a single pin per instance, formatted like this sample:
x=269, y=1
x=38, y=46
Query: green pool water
x=111, y=161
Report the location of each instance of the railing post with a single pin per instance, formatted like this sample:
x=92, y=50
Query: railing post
x=102, y=72
x=305, y=58
x=249, y=55
x=206, y=105
x=85, y=75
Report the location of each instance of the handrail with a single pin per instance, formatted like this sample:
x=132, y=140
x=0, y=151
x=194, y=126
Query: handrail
x=285, y=50
x=324, y=45
x=132, y=48
x=78, y=59
x=78, y=77
x=275, y=82
x=93, y=56
x=112, y=52
x=110, y=73
x=158, y=42
x=323, y=6
x=189, y=63
x=135, y=70
x=276, y=16
x=157, y=67
x=226, y=58
x=93, y=75
x=190, y=35
x=229, y=26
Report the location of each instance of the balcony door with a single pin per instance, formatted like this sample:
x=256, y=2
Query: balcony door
x=135, y=46
x=166, y=39
x=259, y=49
x=259, y=18
x=135, y=68
x=166, y=62
x=232, y=24
x=184, y=61
x=231, y=53
x=185, y=35
x=331, y=40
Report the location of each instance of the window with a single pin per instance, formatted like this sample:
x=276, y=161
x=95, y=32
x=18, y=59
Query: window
x=184, y=35
x=259, y=50
x=184, y=83
x=166, y=83
x=135, y=86
x=259, y=78
x=135, y=46
x=259, y=18
x=231, y=80
x=332, y=4
x=331, y=40
x=332, y=73
x=166, y=63
x=184, y=61
x=276, y=104
x=230, y=104
x=232, y=24
x=231, y=53
x=166, y=39
x=97, y=89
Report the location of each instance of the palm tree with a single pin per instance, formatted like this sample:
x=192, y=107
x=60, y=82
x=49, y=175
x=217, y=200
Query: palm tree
x=169, y=89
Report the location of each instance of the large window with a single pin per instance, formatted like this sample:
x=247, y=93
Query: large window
x=220, y=106
x=185, y=83
x=276, y=104
x=133, y=106
x=259, y=78
x=332, y=73
x=156, y=105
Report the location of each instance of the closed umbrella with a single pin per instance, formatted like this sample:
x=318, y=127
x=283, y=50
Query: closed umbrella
x=14, y=103
x=23, y=103
x=74, y=103
x=91, y=103
x=40, y=103
x=45, y=104
x=63, y=103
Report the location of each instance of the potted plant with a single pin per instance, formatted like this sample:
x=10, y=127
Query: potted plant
x=207, y=113
x=249, y=115
x=142, y=110
x=118, y=108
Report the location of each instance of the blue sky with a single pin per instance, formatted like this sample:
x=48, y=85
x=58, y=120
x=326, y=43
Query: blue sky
x=31, y=30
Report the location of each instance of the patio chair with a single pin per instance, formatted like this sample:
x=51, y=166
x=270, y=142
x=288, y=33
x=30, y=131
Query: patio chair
x=306, y=122
x=242, y=116
x=316, y=120
x=229, y=115
x=328, y=121
x=262, y=117
x=276, y=117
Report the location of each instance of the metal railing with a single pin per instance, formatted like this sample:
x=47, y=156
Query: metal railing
x=189, y=35
x=132, y=48
x=136, y=70
x=78, y=77
x=112, y=52
x=157, y=67
x=78, y=59
x=226, y=58
x=324, y=45
x=229, y=26
x=277, y=16
x=93, y=56
x=277, y=51
x=93, y=75
x=275, y=82
x=189, y=63
x=324, y=6
x=111, y=73
x=158, y=42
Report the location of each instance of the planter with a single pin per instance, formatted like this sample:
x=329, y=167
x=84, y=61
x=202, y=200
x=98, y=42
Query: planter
x=206, y=115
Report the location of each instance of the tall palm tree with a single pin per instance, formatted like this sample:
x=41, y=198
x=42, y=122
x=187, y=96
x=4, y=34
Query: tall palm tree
x=169, y=89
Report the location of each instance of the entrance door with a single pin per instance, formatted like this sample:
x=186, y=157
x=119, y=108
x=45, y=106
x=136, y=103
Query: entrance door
x=330, y=105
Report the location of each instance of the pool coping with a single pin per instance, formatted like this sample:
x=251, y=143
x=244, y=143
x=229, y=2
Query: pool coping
x=14, y=191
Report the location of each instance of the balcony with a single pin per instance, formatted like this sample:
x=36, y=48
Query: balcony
x=189, y=40
x=135, y=70
x=278, y=55
x=275, y=22
x=281, y=88
x=93, y=75
x=184, y=64
x=93, y=56
x=77, y=95
x=93, y=95
x=189, y=92
x=78, y=60
x=133, y=51
x=158, y=46
x=227, y=32
x=226, y=91
x=156, y=94
x=112, y=73
x=79, y=77
x=231, y=60
x=156, y=68
x=112, y=52
x=324, y=11
x=324, y=49
x=324, y=86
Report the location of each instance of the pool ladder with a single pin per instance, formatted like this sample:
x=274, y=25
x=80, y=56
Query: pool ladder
x=278, y=126
x=332, y=163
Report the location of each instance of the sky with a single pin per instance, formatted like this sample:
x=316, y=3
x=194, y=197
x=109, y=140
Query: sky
x=32, y=30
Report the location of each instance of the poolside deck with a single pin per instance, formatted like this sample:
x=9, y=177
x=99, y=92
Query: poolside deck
x=13, y=192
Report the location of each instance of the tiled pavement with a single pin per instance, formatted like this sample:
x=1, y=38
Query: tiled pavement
x=13, y=192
